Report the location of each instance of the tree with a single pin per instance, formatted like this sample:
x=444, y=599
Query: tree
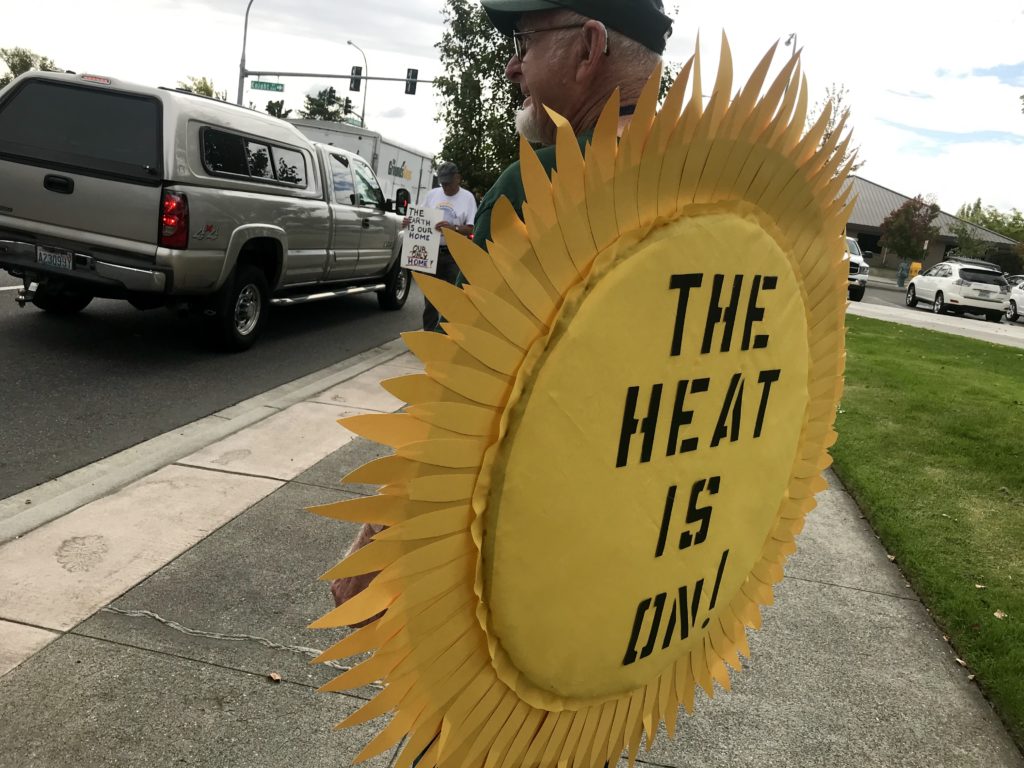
x=201, y=86
x=325, y=105
x=837, y=94
x=276, y=109
x=906, y=230
x=22, y=60
x=968, y=244
x=477, y=103
x=1009, y=224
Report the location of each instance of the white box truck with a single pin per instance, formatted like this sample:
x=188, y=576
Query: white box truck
x=397, y=166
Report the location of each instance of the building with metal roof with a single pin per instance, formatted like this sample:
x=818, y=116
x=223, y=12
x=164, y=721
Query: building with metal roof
x=875, y=202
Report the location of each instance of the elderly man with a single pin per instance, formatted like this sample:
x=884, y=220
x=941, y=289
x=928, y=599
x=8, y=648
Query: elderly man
x=458, y=209
x=570, y=55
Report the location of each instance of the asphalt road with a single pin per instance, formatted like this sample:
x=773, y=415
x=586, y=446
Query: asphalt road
x=82, y=388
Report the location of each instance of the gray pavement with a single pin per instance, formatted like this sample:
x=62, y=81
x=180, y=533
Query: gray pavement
x=176, y=669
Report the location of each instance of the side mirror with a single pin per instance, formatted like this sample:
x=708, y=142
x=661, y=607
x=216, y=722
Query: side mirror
x=868, y=255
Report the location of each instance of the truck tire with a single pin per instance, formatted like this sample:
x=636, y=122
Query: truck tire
x=396, y=289
x=59, y=302
x=241, y=309
x=856, y=293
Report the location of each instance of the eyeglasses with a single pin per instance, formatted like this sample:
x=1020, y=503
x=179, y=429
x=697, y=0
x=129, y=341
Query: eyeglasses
x=519, y=38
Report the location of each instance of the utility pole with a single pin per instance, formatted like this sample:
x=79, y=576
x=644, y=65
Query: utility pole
x=241, y=63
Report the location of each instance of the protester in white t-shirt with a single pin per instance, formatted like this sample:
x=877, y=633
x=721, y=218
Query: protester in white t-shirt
x=459, y=208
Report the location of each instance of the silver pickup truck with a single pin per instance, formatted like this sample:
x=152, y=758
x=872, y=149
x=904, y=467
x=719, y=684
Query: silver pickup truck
x=164, y=198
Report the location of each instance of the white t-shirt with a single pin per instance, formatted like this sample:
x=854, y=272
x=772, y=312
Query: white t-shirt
x=459, y=208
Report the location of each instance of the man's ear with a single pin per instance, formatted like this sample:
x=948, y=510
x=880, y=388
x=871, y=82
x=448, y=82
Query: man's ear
x=593, y=50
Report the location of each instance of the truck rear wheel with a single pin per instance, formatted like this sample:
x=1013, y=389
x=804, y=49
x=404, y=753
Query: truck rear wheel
x=241, y=309
x=856, y=293
x=396, y=290
x=60, y=302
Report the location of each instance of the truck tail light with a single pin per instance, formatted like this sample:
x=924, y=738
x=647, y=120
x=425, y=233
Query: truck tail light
x=173, y=220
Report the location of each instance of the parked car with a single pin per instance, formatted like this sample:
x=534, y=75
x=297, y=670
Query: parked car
x=1015, y=305
x=164, y=198
x=961, y=287
x=857, y=282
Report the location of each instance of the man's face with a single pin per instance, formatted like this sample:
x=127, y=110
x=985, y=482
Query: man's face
x=542, y=74
x=452, y=186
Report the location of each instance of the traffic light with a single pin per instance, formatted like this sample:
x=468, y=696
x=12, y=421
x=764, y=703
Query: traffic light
x=346, y=106
x=411, y=76
x=357, y=79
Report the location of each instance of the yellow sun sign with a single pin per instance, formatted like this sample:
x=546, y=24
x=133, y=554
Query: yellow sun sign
x=598, y=477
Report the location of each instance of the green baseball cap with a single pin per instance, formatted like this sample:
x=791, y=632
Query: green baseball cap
x=641, y=20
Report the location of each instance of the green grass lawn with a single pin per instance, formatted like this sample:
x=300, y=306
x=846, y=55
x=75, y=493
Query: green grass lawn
x=931, y=445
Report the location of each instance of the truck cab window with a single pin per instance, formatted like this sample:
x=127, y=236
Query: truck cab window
x=259, y=160
x=367, y=189
x=224, y=153
x=341, y=175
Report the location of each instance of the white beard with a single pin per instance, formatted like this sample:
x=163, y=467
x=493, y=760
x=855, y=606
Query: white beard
x=530, y=125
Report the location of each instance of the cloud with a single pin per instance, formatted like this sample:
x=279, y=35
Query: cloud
x=910, y=94
x=959, y=137
x=394, y=113
x=1007, y=74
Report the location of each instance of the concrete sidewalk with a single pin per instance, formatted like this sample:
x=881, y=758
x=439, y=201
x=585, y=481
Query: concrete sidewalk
x=150, y=627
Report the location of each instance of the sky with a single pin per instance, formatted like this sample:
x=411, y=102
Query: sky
x=933, y=87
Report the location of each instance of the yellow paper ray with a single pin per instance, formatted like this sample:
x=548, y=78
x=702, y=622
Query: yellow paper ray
x=568, y=194
x=393, y=429
x=465, y=418
x=515, y=326
x=572, y=738
x=496, y=352
x=456, y=454
x=420, y=388
x=379, y=705
x=439, y=523
x=510, y=230
x=586, y=745
x=359, y=641
x=558, y=736
x=373, y=557
x=498, y=751
x=433, y=347
x=477, y=384
x=443, y=489
x=528, y=287
x=393, y=469
x=536, y=729
x=543, y=737
x=599, y=172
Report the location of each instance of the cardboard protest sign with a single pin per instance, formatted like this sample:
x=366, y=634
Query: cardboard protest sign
x=601, y=472
x=422, y=240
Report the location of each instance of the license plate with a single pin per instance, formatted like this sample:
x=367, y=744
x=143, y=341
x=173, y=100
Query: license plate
x=984, y=294
x=55, y=257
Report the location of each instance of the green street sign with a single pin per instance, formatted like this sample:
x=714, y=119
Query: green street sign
x=263, y=85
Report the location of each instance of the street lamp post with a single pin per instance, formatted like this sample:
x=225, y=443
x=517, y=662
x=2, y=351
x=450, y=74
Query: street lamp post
x=791, y=39
x=241, y=63
x=366, y=85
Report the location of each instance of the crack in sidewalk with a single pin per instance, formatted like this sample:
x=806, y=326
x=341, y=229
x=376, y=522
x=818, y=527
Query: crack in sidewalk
x=170, y=623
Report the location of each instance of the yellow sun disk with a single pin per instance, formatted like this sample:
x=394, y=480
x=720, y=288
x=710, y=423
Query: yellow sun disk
x=545, y=592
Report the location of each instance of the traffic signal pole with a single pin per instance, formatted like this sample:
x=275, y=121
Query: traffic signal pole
x=261, y=72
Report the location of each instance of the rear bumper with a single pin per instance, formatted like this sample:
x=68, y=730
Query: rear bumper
x=994, y=304
x=89, y=272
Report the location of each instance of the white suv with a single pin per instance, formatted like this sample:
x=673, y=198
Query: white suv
x=961, y=286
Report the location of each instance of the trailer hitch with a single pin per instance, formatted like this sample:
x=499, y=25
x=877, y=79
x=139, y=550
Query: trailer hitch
x=27, y=293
